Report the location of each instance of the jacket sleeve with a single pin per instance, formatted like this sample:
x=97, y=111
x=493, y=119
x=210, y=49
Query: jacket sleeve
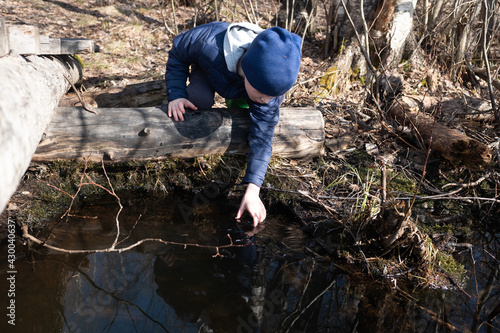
x=260, y=139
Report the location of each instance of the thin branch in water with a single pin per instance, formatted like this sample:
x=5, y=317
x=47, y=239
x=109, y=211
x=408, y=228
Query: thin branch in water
x=116, y=242
x=310, y=304
x=113, y=294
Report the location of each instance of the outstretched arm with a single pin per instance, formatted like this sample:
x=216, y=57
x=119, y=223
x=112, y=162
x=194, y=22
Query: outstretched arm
x=264, y=118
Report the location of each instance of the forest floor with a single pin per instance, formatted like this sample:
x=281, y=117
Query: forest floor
x=343, y=187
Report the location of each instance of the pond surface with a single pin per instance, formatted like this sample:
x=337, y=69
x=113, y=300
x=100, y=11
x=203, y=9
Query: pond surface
x=274, y=283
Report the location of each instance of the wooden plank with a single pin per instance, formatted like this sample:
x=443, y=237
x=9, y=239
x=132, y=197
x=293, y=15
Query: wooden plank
x=57, y=46
x=4, y=38
x=50, y=45
x=24, y=39
x=30, y=89
x=54, y=46
x=124, y=134
x=77, y=46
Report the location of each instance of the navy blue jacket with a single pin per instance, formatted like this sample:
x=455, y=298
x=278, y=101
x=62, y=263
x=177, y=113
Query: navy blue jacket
x=204, y=46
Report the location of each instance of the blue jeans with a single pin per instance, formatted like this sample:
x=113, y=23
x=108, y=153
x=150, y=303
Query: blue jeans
x=199, y=91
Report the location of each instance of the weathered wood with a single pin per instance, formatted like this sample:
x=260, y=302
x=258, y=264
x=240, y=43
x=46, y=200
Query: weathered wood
x=24, y=39
x=483, y=74
x=4, y=38
x=30, y=88
x=124, y=134
x=452, y=144
x=150, y=93
x=65, y=45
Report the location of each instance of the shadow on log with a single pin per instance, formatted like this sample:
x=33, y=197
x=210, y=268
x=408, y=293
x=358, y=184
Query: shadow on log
x=125, y=134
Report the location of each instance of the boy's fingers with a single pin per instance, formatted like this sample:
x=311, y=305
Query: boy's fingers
x=256, y=220
x=191, y=105
x=240, y=212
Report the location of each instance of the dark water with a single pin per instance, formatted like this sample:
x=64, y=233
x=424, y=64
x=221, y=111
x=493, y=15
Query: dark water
x=272, y=284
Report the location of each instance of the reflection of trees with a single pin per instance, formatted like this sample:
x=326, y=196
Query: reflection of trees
x=272, y=289
x=486, y=296
x=110, y=294
x=308, y=295
x=283, y=292
x=485, y=266
x=208, y=293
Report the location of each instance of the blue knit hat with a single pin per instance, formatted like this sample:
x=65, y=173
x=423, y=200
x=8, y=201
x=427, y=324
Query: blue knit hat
x=271, y=63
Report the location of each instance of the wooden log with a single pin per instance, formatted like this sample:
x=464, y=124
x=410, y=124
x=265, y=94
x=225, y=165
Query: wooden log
x=30, y=88
x=453, y=145
x=150, y=93
x=483, y=74
x=124, y=134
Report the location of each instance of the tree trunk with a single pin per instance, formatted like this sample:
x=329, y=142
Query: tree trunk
x=125, y=134
x=385, y=24
x=30, y=88
x=402, y=24
x=297, y=15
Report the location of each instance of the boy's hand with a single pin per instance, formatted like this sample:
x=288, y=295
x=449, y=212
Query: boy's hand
x=251, y=202
x=177, y=107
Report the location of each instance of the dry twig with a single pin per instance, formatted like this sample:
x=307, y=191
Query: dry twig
x=117, y=241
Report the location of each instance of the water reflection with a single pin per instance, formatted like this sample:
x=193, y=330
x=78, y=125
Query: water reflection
x=270, y=285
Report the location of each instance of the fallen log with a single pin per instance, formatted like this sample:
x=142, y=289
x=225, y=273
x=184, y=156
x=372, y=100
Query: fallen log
x=150, y=93
x=453, y=145
x=30, y=88
x=125, y=134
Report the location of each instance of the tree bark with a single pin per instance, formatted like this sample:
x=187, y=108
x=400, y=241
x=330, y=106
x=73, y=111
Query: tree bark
x=30, y=88
x=402, y=24
x=387, y=24
x=125, y=134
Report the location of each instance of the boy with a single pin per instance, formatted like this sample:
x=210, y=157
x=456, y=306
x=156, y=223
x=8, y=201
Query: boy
x=238, y=60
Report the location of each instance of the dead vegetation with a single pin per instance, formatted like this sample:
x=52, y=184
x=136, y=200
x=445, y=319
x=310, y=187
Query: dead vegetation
x=383, y=190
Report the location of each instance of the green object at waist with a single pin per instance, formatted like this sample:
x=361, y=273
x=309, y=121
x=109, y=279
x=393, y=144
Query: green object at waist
x=237, y=103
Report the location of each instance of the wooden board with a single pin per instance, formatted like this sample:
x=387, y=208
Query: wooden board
x=53, y=46
x=24, y=39
x=124, y=134
x=143, y=94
